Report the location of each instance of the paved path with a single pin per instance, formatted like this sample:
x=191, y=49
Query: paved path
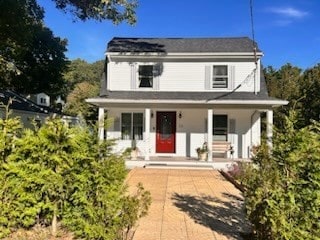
x=189, y=205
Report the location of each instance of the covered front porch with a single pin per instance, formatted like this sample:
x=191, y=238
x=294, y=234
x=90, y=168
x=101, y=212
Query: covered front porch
x=170, y=134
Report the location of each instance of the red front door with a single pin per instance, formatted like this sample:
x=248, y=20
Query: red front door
x=166, y=132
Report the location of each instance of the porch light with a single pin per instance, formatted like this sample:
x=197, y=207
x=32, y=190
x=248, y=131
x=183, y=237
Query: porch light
x=180, y=115
x=151, y=114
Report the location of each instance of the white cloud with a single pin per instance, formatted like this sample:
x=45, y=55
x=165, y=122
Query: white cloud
x=282, y=23
x=289, y=12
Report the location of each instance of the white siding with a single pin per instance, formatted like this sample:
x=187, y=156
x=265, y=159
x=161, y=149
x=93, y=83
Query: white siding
x=244, y=76
x=119, y=76
x=183, y=77
x=180, y=76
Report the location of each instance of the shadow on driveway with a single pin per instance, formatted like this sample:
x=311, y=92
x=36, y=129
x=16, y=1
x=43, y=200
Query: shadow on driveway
x=224, y=217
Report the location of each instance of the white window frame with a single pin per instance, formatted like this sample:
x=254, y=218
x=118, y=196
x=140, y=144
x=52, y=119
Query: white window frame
x=138, y=74
x=221, y=76
x=131, y=137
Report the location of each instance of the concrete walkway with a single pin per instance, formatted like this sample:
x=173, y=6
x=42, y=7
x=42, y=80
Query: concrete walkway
x=189, y=205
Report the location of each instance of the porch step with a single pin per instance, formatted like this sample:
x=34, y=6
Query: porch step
x=218, y=164
x=178, y=166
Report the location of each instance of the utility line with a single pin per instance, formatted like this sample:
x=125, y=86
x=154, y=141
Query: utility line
x=252, y=31
x=254, y=48
x=255, y=61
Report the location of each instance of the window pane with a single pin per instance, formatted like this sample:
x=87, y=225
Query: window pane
x=220, y=77
x=220, y=70
x=220, y=82
x=166, y=128
x=126, y=126
x=220, y=127
x=145, y=82
x=137, y=126
x=145, y=76
x=145, y=70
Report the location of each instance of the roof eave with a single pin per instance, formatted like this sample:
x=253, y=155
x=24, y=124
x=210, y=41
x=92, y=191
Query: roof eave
x=270, y=103
x=183, y=54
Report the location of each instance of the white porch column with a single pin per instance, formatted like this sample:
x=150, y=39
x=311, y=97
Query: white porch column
x=147, y=134
x=210, y=124
x=269, y=128
x=101, y=124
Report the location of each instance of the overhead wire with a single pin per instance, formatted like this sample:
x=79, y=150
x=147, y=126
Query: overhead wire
x=254, y=46
x=255, y=61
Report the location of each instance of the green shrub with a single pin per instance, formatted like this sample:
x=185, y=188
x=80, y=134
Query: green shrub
x=283, y=188
x=56, y=173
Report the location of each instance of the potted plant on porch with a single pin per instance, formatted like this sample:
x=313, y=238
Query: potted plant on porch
x=202, y=152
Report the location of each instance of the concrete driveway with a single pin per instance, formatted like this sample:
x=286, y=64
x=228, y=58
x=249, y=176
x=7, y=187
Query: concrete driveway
x=189, y=205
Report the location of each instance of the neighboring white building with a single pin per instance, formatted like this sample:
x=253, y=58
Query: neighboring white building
x=29, y=111
x=43, y=99
x=171, y=95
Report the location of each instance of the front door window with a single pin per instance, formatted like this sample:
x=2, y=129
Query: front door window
x=166, y=127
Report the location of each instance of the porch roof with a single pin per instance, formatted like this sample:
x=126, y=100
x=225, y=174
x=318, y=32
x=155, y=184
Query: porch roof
x=186, y=99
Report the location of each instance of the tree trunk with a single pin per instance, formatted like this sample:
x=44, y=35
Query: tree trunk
x=54, y=221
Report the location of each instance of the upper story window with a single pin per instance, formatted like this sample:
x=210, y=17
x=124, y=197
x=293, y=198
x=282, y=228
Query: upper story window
x=145, y=76
x=220, y=76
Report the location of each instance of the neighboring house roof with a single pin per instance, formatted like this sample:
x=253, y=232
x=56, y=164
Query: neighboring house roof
x=21, y=103
x=182, y=45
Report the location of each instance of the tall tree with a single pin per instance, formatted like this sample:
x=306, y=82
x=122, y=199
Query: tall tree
x=80, y=71
x=115, y=10
x=284, y=83
x=32, y=59
x=76, y=104
x=310, y=91
x=83, y=81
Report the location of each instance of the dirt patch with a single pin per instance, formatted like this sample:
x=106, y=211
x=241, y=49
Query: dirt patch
x=39, y=233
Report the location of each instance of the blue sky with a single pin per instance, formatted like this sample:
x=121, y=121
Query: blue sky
x=286, y=30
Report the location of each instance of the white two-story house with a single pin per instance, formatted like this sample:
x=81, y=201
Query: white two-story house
x=172, y=95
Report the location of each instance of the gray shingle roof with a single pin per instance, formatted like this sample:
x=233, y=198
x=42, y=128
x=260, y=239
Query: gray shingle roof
x=182, y=45
x=143, y=95
x=21, y=103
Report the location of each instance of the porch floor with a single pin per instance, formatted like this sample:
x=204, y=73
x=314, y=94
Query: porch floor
x=183, y=162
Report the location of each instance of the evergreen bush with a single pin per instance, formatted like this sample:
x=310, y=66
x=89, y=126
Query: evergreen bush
x=283, y=188
x=59, y=174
